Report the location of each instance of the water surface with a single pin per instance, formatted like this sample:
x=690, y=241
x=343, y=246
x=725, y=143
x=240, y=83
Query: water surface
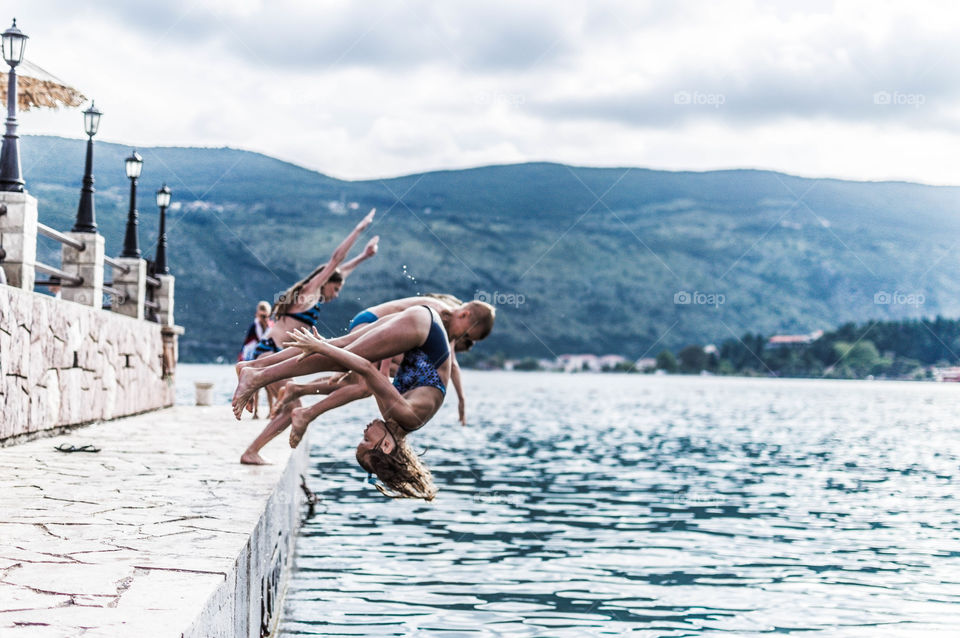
x=670, y=506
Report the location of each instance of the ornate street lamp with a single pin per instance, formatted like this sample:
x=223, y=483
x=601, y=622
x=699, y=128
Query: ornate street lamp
x=131, y=242
x=160, y=262
x=86, y=215
x=14, y=41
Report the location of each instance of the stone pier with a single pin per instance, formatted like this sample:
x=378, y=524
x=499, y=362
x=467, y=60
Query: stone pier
x=64, y=364
x=161, y=533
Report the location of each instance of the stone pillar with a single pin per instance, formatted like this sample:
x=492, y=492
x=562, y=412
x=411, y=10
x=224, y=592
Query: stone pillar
x=86, y=263
x=171, y=354
x=164, y=298
x=18, y=236
x=133, y=285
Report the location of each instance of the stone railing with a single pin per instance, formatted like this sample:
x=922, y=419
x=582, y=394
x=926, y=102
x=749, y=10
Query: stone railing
x=67, y=361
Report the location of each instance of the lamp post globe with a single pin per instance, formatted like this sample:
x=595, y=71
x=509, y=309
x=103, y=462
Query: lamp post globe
x=86, y=213
x=163, y=196
x=131, y=240
x=134, y=165
x=91, y=119
x=160, y=262
x=14, y=42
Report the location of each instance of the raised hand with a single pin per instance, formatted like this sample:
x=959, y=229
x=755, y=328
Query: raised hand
x=366, y=221
x=371, y=248
x=307, y=342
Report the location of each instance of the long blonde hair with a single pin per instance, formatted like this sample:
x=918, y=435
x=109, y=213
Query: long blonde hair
x=291, y=296
x=401, y=471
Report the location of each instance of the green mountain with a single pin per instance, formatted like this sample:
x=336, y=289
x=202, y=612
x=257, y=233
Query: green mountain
x=581, y=259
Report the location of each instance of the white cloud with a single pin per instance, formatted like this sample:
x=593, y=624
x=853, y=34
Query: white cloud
x=383, y=88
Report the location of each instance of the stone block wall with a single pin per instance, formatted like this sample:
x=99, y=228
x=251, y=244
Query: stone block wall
x=249, y=602
x=63, y=363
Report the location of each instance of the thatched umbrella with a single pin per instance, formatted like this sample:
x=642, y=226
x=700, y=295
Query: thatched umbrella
x=37, y=88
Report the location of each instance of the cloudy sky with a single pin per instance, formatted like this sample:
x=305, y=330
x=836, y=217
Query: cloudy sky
x=372, y=88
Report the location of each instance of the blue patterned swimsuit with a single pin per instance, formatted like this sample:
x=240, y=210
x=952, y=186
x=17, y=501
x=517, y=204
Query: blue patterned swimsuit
x=419, y=366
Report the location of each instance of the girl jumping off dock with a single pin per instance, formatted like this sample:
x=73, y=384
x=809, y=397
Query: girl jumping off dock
x=422, y=335
x=343, y=388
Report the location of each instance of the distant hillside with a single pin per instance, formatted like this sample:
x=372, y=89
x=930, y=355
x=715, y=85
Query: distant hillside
x=596, y=256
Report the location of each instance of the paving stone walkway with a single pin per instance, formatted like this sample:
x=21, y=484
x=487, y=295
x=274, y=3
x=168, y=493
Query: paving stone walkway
x=133, y=540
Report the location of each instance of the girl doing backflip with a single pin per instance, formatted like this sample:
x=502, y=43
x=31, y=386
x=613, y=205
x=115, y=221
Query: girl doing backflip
x=422, y=335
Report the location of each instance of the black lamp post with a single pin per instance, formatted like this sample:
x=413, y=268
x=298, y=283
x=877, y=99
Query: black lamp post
x=14, y=41
x=131, y=242
x=86, y=215
x=160, y=263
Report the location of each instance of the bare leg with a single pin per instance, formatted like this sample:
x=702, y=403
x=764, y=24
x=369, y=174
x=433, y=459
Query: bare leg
x=254, y=404
x=293, y=391
x=267, y=359
x=279, y=400
x=252, y=379
x=282, y=418
x=399, y=333
x=302, y=416
x=278, y=357
x=277, y=424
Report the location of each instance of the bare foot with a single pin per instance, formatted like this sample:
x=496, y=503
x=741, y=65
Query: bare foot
x=241, y=365
x=278, y=401
x=298, y=425
x=246, y=387
x=252, y=458
x=290, y=398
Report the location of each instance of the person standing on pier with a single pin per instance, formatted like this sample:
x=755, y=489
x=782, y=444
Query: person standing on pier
x=256, y=332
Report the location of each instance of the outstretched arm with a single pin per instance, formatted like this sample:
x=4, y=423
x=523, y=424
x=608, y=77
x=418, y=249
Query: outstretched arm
x=455, y=380
x=368, y=251
x=392, y=404
x=338, y=255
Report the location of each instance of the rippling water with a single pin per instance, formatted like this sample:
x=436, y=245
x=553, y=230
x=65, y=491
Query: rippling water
x=672, y=506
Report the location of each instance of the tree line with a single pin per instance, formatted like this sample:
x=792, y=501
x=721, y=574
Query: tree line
x=893, y=349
